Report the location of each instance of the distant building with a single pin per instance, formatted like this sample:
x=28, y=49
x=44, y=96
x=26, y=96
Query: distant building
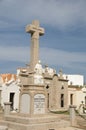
x=76, y=95
x=76, y=90
x=74, y=79
x=9, y=90
x=55, y=86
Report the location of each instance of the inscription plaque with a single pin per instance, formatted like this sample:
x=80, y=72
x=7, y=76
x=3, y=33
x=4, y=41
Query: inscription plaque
x=39, y=104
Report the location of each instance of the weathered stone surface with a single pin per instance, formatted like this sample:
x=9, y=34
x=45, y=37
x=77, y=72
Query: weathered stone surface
x=3, y=127
x=40, y=122
x=35, y=31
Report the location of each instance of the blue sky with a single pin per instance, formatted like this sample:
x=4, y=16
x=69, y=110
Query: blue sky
x=62, y=46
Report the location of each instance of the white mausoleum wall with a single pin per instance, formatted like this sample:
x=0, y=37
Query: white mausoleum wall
x=75, y=79
x=72, y=91
x=80, y=97
x=5, y=95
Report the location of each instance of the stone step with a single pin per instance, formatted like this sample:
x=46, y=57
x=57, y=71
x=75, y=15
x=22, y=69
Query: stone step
x=39, y=126
x=13, y=125
x=31, y=120
x=34, y=124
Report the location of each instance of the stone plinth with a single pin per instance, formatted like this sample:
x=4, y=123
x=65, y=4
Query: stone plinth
x=72, y=115
x=7, y=108
x=33, y=100
x=41, y=122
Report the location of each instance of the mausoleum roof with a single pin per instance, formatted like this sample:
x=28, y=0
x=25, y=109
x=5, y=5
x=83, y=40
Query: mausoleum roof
x=7, y=77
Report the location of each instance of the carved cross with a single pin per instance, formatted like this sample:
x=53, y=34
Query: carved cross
x=34, y=29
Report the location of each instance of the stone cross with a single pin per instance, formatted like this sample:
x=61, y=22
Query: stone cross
x=35, y=31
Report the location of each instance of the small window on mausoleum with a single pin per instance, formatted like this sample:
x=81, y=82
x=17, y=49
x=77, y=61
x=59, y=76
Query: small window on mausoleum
x=62, y=87
x=47, y=87
x=71, y=99
x=62, y=100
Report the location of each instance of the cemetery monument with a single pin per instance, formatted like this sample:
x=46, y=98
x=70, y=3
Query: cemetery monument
x=42, y=91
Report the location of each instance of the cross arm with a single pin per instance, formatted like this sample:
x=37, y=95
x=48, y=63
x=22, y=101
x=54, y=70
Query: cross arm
x=31, y=29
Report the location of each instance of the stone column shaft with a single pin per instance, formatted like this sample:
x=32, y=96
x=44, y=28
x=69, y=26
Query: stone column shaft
x=72, y=115
x=34, y=52
x=7, y=108
x=35, y=30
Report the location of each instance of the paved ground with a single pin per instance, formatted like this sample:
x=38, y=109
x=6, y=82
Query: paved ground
x=81, y=123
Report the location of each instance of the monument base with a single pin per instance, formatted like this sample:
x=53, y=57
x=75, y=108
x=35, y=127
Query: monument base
x=45, y=122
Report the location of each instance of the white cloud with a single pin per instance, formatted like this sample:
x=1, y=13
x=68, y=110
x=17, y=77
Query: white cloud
x=59, y=13
x=47, y=55
x=60, y=57
x=11, y=53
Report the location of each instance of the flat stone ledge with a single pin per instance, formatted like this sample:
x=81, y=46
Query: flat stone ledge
x=72, y=106
x=3, y=127
x=7, y=103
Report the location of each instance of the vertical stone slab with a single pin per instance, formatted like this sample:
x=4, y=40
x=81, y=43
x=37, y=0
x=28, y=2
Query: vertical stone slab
x=7, y=108
x=25, y=104
x=73, y=120
x=39, y=104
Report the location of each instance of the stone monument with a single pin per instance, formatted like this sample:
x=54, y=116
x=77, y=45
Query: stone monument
x=38, y=93
x=32, y=86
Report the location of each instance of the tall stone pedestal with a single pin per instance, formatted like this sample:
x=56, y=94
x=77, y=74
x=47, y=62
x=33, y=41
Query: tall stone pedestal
x=73, y=120
x=33, y=100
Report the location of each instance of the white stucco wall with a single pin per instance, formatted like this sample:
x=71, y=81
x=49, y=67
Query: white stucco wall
x=72, y=91
x=5, y=95
x=78, y=96
x=75, y=79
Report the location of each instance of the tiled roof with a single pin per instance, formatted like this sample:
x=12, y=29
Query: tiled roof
x=8, y=77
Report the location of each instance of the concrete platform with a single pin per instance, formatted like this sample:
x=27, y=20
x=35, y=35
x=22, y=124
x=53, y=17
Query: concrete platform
x=69, y=128
x=47, y=122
